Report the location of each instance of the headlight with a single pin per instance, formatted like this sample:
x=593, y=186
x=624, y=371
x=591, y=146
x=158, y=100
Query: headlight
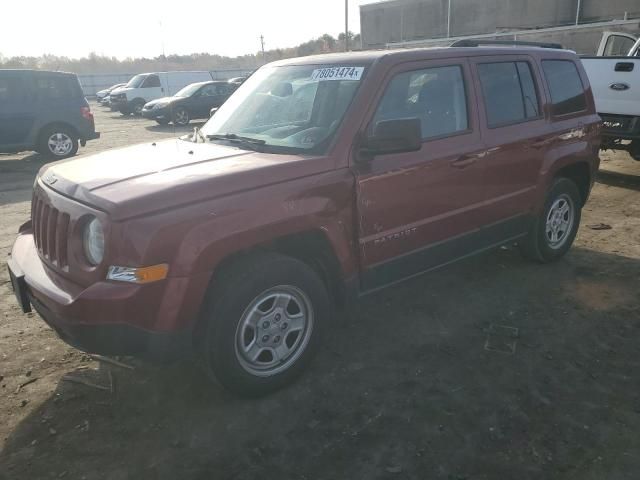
x=93, y=241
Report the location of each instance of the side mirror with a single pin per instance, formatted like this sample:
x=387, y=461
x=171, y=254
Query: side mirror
x=394, y=136
x=213, y=111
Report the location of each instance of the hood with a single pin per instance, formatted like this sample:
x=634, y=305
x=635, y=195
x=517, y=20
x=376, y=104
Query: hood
x=120, y=90
x=162, y=100
x=150, y=177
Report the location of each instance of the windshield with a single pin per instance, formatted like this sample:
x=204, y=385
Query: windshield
x=291, y=108
x=189, y=90
x=136, y=81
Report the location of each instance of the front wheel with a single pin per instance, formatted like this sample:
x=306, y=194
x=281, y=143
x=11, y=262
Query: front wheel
x=264, y=323
x=555, y=229
x=181, y=116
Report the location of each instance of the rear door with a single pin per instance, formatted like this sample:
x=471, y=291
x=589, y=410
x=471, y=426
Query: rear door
x=515, y=134
x=17, y=108
x=420, y=209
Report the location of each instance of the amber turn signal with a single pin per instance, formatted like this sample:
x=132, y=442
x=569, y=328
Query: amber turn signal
x=139, y=275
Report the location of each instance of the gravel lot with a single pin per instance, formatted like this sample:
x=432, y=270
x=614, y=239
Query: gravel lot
x=493, y=368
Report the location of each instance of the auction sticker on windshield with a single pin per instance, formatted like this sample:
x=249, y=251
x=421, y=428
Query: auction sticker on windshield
x=337, y=73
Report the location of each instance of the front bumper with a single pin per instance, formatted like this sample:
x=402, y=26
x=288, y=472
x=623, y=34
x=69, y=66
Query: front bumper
x=109, y=318
x=157, y=113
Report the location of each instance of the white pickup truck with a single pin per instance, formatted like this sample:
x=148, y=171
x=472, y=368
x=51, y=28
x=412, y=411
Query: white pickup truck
x=614, y=75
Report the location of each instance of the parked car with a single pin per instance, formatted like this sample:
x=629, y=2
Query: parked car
x=193, y=101
x=145, y=87
x=43, y=111
x=323, y=178
x=615, y=80
x=104, y=94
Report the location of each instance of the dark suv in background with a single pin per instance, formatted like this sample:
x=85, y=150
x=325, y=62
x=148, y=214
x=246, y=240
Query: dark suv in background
x=43, y=111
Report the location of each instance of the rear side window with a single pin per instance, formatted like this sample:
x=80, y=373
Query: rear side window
x=56, y=88
x=509, y=92
x=567, y=91
x=434, y=95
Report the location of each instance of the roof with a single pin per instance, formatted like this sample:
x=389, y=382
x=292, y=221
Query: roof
x=409, y=54
x=37, y=72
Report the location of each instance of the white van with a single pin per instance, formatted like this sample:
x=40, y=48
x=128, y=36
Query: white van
x=148, y=86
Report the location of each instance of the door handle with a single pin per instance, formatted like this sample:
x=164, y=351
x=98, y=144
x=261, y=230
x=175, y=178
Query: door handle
x=464, y=161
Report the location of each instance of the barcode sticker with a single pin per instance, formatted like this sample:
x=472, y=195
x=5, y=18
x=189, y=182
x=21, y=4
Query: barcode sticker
x=337, y=73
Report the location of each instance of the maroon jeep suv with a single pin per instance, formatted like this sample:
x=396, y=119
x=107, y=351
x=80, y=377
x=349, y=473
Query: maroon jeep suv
x=321, y=179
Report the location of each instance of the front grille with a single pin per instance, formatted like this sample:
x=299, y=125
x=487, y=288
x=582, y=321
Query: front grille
x=50, y=231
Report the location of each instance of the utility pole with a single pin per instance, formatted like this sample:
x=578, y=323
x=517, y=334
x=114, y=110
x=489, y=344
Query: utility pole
x=578, y=12
x=346, y=25
x=264, y=59
x=448, y=18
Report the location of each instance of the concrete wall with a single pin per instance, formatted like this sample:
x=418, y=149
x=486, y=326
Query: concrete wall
x=92, y=83
x=406, y=20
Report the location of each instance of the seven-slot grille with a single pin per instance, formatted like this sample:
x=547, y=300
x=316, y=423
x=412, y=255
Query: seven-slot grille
x=50, y=231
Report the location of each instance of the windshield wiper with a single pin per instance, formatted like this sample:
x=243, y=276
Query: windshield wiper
x=236, y=138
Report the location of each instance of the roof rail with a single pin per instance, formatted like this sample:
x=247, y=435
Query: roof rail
x=476, y=43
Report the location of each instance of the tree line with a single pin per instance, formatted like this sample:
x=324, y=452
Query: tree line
x=94, y=63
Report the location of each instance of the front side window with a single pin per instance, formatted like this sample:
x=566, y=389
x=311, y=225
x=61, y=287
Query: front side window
x=291, y=108
x=567, y=91
x=436, y=96
x=509, y=92
x=151, y=81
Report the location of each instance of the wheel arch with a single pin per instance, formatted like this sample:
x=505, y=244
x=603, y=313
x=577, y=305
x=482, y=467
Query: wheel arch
x=48, y=125
x=580, y=174
x=311, y=247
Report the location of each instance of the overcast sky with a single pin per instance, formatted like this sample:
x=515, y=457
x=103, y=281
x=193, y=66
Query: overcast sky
x=124, y=28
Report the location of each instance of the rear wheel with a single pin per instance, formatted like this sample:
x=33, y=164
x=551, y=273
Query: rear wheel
x=58, y=141
x=181, y=116
x=556, y=227
x=264, y=323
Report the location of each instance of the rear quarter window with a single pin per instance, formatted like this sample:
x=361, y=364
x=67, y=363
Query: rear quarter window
x=565, y=86
x=57, y=87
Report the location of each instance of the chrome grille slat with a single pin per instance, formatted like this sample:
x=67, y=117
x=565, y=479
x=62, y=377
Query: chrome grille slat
x=50, y=231
x=52, y=238
x=44, y=223
x=62, y=235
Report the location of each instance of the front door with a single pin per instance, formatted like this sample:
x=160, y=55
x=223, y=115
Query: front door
x=418, y=210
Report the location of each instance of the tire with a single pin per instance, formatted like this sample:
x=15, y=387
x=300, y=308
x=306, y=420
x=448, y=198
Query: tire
x=181, y=117
x=136, y=107
x=58, y=141
x=258, y=299
x=162, y=121
x=555, y=229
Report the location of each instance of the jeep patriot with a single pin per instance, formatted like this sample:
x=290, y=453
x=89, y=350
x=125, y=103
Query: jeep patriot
x=321, y=179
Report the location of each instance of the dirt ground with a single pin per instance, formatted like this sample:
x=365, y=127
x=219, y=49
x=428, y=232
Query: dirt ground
x=493, y=368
